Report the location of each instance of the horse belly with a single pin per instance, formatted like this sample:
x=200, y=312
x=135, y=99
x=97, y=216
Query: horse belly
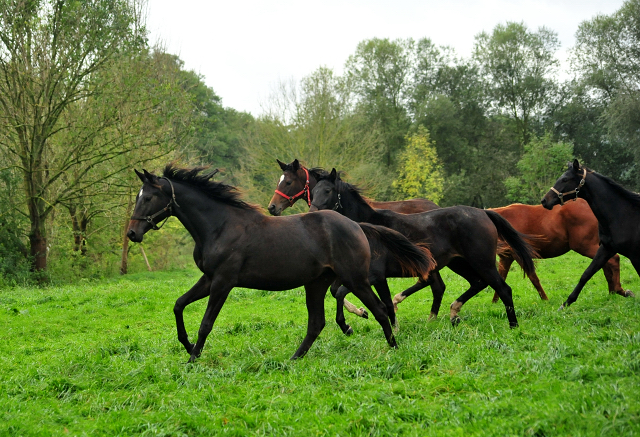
x=273, y=273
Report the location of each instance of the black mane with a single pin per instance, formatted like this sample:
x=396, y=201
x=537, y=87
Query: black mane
x=316, y=172
x=342, y=187
x=215, y=190
x=632, y=197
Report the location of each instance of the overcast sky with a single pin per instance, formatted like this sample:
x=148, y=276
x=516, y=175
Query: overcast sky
x=243, y=48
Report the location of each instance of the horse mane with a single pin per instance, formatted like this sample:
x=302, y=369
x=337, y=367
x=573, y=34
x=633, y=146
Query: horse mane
x=343, y=187
x=316, y=172
x=632, y=197
x=215, y=190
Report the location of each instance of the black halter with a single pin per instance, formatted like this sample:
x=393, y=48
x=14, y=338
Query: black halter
x=576, y=191
x=169, y=208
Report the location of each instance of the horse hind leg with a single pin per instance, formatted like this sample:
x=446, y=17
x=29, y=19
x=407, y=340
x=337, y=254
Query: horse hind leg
x=384, y=293
x=363, y=291
x=611, y=271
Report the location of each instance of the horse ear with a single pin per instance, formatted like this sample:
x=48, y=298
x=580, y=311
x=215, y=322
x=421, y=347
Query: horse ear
x=576, y=165
x=282, y=165
x=141, y=176
x=333, y=175
x=295, y=165
x=152, y=179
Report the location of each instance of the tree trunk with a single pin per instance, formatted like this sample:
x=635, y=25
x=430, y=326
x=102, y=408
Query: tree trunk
x=124, y=263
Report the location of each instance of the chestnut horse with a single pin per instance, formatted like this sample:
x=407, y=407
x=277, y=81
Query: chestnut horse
x=572, y=227
x=617, y=211
x=238, y=246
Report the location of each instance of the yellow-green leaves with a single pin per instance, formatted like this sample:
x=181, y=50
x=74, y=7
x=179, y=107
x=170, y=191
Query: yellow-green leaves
x=420, y=170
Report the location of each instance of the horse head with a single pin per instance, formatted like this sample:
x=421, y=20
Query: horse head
x=325, y=194
x=291, y=187
x=569, y=184
x=152, y=206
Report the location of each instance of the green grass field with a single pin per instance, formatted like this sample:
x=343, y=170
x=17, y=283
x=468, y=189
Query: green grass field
x=102, y=358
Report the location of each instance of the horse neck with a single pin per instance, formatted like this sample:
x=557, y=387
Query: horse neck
x=601, y=196
x=356, y=210
x=202, y=216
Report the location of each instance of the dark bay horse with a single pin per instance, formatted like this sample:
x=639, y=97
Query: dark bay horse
x=617, y=211
x=237, y=246
x=557, y=231
x=298, y=182
x=463, y=238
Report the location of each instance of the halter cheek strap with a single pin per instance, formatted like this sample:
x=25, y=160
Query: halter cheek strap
x=576, y=191
x=305, y=191
x=149, y=218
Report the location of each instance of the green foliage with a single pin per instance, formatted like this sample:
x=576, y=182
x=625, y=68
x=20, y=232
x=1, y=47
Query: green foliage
x=420, y=170
x=102, y=358
x=543, y=160
x=378, y=74
x=518, y=64
x=607, y=60
x=311, y=122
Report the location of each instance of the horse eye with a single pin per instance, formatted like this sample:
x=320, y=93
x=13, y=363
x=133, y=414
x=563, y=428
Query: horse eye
x=288, y=183
x=146, y=198
x=564, y=179
x=327, y=191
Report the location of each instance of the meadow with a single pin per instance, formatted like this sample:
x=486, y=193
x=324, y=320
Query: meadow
x=102, y=358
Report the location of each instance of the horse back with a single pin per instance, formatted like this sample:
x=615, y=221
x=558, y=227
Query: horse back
x=411, y=206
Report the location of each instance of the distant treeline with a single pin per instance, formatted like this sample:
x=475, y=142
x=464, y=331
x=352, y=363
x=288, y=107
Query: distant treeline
x=84, y=98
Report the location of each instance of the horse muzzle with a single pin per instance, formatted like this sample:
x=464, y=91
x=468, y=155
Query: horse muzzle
x=133, y=235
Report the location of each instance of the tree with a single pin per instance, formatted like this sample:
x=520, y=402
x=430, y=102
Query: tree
x=76, y=81
x=543, y=160
x=518, y=65
x=607, y=61
x=420, y=170
x=312, y=122
x=379, y=76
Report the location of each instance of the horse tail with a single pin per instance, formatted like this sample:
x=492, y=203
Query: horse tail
x=520, y=248
x=415, y=259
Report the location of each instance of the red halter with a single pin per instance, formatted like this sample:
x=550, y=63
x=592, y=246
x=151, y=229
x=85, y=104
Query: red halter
x=302, y=193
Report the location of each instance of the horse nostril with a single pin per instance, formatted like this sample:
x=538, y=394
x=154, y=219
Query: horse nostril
x=131, y=234
x=272, y=208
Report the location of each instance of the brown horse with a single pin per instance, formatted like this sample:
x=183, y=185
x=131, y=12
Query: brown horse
x=237, y=246
x=557, y=231
x=298, y=182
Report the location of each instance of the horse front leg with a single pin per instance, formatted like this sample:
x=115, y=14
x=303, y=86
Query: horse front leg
x=218, y=292
x=602, y=256
x=199, y=291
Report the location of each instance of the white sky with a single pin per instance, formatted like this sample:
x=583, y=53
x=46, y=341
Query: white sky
x=244, y=47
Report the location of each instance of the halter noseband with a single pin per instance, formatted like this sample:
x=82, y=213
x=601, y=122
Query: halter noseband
x=150, y=218
x=305, y=190
x=576, y=191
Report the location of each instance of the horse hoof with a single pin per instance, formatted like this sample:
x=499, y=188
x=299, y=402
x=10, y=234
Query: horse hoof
x=455, y=320
x=365, y=314
x=433, y=317
x=563, y=306
x=629, y=293
x=349, y=331
x=544, y=298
